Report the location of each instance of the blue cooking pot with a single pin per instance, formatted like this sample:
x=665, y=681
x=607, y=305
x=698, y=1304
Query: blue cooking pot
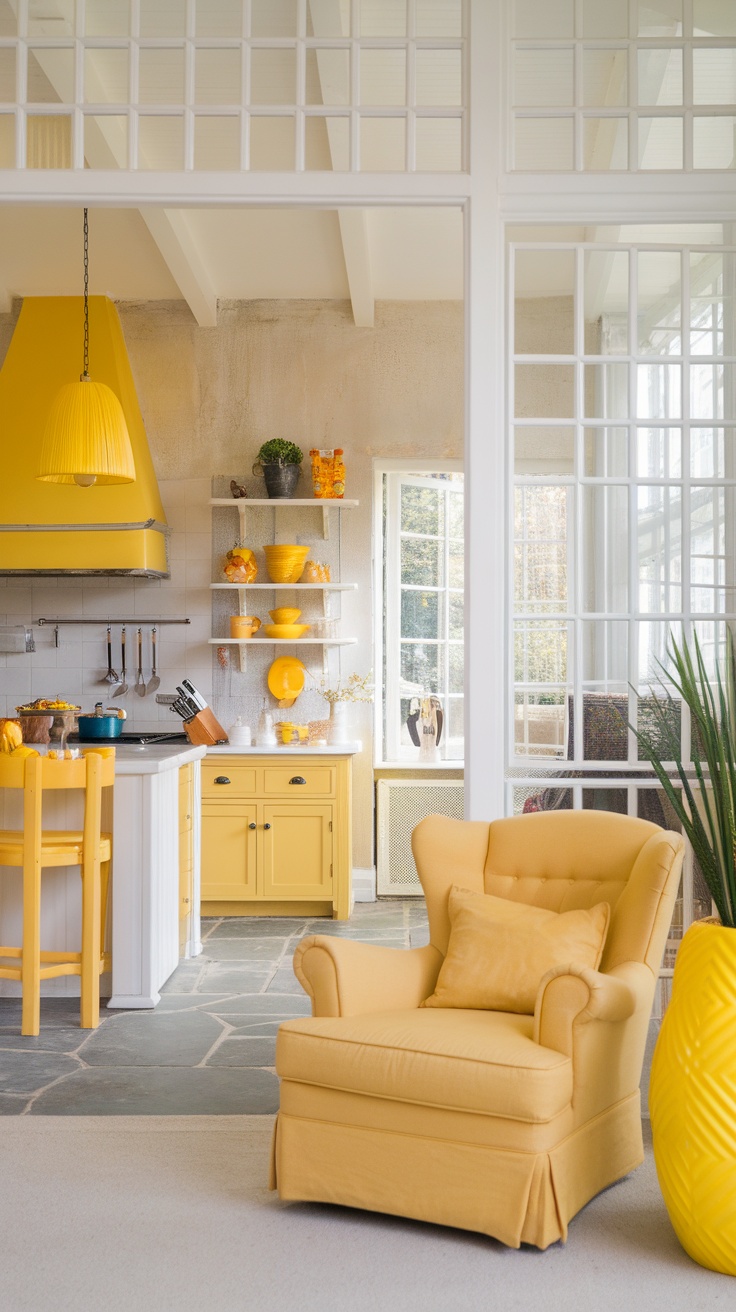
x=100, y=726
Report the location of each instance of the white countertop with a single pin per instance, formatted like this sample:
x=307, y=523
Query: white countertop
x=293, y=749
x=153, y=758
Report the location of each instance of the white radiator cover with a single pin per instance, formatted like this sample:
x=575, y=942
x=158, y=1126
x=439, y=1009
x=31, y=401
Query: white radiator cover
x=400, y=805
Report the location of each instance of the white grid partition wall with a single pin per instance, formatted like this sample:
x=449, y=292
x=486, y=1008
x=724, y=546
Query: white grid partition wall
x=623, y=405
x=625, y=85
x=218, y=85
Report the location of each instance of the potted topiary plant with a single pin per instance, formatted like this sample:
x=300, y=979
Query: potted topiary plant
x=691, y=1095
x=280, y=464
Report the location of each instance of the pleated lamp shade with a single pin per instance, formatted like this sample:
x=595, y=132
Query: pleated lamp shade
x=86, y=439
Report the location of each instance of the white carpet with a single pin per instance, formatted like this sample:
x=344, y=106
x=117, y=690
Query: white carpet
x=172, y=1214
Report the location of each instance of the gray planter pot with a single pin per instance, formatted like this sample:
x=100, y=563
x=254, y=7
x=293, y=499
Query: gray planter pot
x=281, y=480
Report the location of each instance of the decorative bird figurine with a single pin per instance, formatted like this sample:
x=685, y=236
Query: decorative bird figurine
x=237, y=489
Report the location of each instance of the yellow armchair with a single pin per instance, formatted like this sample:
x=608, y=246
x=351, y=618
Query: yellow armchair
x=491, y=1121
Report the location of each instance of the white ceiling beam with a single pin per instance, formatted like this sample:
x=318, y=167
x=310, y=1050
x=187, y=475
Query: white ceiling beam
x=105, y=148
x=172, y=235
x=356, y=250
x=6, y=300
x=353, y=223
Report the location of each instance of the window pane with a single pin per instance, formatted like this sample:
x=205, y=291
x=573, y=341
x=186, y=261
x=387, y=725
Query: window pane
x=541, y=550
x=540, y=725
x=160, y=142
x=606, y=300
x=555, y=18
x=659, y=452
x=605, y=143
x=711, y=19
x=106, y=76
x=273, y=77
x=710, y=274
x=457, y=615
x=166, y=18
x=327, y=77
x=421, y=561
x=50, y=76
x=605, y=554
x=658, y=391
x=714, y=77
x=105, y=141
x=660, y=143
x=107, y=18
x=660, y=18
x=606, y=391
x=275, y=18
x=660, y=77
x=544, y=391
x=422, y=615
x=605, y=79
x=544, y=450
x=659, y=296
x=8, y=18
x=422, y=510
x=217, y=77
x=659, y=547
x=327, y=143
x=605, y=655
x=711, y=516
x=711, y=391
x=543, y=144
x=7, y=74
x=382, y=145
x=161, y=76
x=49, y=141
x=50, y=20
x=543, y=77
x=540, y=651
x=379, y=19
x=708, y=451
x=607, y=18
x=422, y=664
x=219, y=18
x=438, y=76
x=606, y=452
x=439, y=18
x=714, y=142
x=382, y=77
x=544, y=324
x=272, y=143
x=216, y=143
x=438, y=145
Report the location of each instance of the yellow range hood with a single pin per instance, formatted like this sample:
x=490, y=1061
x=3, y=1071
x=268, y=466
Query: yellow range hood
x=52, y=528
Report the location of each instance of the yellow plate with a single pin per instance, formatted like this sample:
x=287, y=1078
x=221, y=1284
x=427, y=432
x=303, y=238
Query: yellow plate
x=285, y=630
x=286, y=678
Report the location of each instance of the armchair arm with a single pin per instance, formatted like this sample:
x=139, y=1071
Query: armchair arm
x=570, y=996
x=348, y=978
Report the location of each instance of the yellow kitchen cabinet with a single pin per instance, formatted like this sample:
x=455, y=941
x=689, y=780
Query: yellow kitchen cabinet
x=276, y=836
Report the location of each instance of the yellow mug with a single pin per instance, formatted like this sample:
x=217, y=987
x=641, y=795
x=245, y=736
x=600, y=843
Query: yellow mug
x=244, y=626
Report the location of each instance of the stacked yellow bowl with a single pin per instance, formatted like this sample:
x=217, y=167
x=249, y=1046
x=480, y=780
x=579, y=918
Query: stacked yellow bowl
x=285, y=562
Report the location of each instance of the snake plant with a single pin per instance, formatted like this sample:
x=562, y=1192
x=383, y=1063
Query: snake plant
x=705, y=803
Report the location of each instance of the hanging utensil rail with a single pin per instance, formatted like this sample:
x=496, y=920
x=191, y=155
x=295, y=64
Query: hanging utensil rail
x=145, y=620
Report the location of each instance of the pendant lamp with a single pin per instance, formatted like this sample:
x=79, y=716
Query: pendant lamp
x=86, y=438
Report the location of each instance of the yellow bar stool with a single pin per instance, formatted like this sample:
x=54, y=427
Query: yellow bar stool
x=34, y=848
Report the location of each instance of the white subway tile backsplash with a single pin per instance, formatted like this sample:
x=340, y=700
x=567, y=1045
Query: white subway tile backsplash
x=197, y=491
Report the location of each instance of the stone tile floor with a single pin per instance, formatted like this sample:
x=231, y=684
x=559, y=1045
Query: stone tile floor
x=207, y=1048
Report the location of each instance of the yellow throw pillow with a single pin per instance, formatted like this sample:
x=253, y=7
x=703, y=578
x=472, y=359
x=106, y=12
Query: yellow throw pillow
x=499, y=950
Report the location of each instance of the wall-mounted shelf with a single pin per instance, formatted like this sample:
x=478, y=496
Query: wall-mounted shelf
x=325, y=504
x=281, y=642
x=289, y=587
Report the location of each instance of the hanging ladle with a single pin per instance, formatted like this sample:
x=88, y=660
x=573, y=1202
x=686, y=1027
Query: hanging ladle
x=121, y=691
x=154, y=680
x=140, y=683
x=111, y=676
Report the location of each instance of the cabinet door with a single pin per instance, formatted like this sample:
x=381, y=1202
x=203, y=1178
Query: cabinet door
x=228, y=852
x=297, y=851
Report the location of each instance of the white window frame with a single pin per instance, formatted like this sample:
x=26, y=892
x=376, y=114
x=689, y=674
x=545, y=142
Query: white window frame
x=391, y=599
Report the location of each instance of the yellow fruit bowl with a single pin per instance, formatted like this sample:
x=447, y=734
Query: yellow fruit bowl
x=285, y=631
x=285, y=562
x=285, y=615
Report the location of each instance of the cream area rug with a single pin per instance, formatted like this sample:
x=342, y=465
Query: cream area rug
x=173, y=1214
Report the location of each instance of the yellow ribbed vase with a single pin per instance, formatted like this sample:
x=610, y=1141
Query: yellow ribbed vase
x=692, y=1097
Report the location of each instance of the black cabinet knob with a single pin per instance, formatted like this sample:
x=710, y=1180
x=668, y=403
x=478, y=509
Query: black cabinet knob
x=297, y=780
x=252, y=825
x=222, y=779
x=266, y=826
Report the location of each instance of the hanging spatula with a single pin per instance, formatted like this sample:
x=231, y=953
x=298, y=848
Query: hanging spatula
x=154, y=680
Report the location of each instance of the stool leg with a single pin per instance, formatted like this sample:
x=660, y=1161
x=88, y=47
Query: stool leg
x=31, y=958
x=91, y=917
x=104, y=893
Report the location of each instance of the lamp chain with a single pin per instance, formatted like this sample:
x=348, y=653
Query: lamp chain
x=86, y=297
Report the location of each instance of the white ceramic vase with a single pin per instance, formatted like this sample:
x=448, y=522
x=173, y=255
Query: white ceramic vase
x=339, y=730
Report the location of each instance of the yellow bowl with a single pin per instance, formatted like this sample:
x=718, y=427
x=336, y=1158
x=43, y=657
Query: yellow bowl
x=285, y=562
x=285, y=615
x=288, y=631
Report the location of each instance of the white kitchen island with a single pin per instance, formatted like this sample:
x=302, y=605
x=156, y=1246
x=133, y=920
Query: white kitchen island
x=145, y=876
x=144, y=901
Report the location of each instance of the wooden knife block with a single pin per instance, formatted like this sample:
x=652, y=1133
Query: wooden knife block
x=203, y=730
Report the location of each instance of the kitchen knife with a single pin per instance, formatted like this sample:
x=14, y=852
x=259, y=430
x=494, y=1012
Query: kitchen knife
x=191, y=706
x=195, y=694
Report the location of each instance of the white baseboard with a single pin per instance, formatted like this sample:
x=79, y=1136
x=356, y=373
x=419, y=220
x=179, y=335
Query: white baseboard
x=364, y=884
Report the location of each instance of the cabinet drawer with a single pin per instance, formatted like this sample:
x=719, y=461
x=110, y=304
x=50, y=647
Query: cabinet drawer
x=299, y=780
x=241, y=780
